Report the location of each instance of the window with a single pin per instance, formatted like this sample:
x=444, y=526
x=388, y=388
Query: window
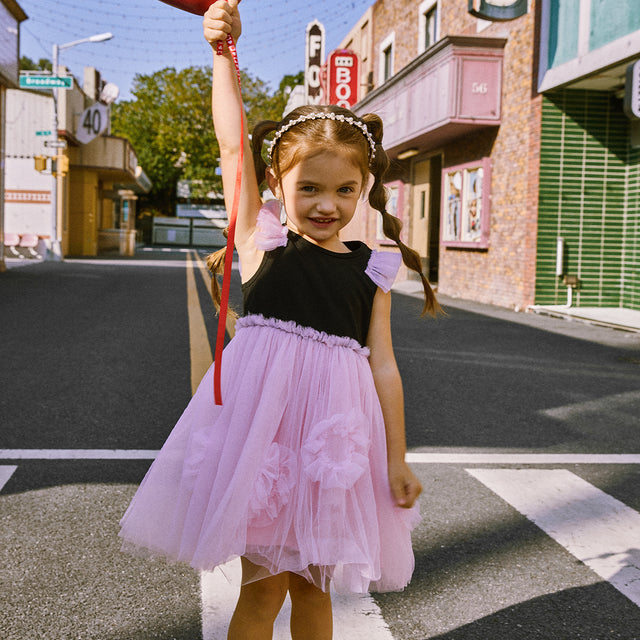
x=388, y=62
x=386, y=52
x=430, y=24
x=428, y=31
x=364, y=41
x=465, y=205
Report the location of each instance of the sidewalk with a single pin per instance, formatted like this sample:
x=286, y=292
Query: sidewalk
x=612, y=326
x=614, y=318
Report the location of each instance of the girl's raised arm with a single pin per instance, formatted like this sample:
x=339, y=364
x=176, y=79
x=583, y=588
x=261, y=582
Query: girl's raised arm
x=221, y=19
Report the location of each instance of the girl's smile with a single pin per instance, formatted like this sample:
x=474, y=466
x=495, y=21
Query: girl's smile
x=320, y=195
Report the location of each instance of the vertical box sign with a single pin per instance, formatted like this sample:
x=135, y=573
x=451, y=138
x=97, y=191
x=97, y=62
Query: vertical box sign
x=342, y=78
x=314, y=55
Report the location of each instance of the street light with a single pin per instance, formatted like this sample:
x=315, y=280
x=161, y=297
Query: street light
x=56, y=252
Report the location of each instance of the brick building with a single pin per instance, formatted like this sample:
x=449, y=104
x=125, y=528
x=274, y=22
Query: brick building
x=513, y=166
x=462, y=127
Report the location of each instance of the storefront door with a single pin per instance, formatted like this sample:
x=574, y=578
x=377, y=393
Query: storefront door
x=425, y=212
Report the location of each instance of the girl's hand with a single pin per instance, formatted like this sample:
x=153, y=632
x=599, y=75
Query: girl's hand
x=221, y=19
x=405, y=487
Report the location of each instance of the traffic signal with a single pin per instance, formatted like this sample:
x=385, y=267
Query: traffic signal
x=41, y=163
x=60, y=165
x=63, y=164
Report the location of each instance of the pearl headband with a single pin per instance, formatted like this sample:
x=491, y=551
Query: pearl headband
x=322, y=115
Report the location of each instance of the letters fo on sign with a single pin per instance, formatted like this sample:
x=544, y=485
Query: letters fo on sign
x=342, y=78
x=314, y=56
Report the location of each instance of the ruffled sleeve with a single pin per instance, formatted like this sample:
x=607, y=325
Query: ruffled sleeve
x=383, y=268
x=270, y=233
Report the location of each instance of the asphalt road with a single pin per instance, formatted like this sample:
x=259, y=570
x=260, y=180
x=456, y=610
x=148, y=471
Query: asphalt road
x=95, y=356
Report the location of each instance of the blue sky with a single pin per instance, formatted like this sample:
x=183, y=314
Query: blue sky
x=150, y=35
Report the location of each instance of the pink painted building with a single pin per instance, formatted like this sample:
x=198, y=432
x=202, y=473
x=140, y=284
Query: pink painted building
x=462, y=126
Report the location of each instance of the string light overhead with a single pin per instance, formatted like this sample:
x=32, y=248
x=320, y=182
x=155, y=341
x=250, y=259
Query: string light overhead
x=151, y=35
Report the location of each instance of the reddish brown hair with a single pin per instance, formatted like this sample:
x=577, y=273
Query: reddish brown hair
x=307, y=137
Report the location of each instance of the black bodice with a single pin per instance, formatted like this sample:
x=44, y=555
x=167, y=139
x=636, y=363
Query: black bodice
x=314, y=287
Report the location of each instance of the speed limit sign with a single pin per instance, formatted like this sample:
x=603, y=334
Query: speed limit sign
x=93, y=121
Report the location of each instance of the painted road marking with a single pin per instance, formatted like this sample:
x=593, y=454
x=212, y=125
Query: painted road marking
x=78, y=454
x=411, y=457
x=418, y=457
x=355, y=617
x=169, y=264
x=6, y=471
x=593, y=526
x=200, y=349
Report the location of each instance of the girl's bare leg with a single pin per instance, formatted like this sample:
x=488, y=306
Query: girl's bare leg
x=311, y=614
x=258, y=606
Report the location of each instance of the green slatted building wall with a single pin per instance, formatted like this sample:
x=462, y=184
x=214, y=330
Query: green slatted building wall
x=590, y=196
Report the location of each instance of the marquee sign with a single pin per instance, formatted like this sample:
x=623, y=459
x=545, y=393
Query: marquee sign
x=314, y=56
x=342, y=78
x=498, y=10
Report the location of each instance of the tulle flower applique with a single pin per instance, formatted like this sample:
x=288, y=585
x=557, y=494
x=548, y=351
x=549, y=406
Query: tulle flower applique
x=271, y=233
x=272, y=488
x=335, y=452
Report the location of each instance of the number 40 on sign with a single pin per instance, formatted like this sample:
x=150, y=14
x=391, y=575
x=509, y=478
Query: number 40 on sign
x=92, y=122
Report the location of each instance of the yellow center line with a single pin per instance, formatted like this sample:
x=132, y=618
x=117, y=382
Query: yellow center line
x=200, y=348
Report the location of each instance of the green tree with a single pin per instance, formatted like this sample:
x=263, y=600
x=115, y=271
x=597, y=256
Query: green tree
x=27, y=64
x=168, y=121
x=169, y=124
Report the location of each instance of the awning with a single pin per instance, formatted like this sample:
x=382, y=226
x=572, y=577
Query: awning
x=452, y=89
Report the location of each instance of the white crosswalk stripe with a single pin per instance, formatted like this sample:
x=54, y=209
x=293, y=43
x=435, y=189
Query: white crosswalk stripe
x=6, y=471
x=596, y=528
x=355, y=617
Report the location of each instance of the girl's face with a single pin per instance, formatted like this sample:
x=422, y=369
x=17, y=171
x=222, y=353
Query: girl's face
x=320, y=196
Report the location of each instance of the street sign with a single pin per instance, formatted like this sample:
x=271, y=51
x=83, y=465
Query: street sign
x=43, y=133
x=46, y=82
x=314, y=55
x=57, y=144
x=342, y=78
x=92, y=123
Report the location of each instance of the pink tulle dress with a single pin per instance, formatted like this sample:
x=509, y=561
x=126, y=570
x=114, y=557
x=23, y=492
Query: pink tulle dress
x=290, y=472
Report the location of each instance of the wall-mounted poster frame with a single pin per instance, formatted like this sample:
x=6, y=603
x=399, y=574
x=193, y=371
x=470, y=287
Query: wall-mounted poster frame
x=465, y=205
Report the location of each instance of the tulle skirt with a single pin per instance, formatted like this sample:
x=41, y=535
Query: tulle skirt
x=290, y=472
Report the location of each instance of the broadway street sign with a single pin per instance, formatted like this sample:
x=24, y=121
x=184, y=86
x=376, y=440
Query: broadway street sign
x=46, y=82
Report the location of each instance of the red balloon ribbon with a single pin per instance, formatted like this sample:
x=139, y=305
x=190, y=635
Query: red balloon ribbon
x=199, y=7
x=228, y=259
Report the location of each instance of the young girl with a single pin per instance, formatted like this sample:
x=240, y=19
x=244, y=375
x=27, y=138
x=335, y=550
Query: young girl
x=301, y=471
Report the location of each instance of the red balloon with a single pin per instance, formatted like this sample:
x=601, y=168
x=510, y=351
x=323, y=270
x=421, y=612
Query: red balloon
x=199, y=7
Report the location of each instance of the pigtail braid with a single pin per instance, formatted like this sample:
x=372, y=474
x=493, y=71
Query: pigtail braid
x=391, y=226
x=215, y=264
